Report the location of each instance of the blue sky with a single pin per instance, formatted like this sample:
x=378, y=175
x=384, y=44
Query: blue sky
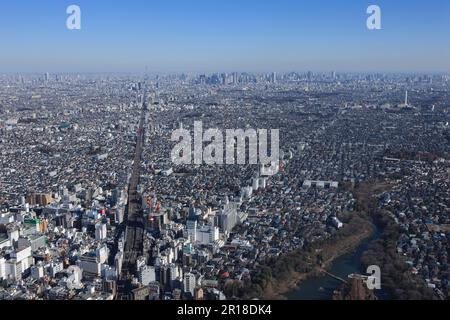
x=224, y=35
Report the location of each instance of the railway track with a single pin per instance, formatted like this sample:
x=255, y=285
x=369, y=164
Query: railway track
x=134, y=219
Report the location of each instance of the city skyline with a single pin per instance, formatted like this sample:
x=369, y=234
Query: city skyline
x=207, y=36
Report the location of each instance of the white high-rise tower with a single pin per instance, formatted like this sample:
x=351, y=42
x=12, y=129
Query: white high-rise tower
x=406, y=98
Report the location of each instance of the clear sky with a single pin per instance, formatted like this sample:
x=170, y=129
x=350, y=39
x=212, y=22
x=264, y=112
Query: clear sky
x=224, y=35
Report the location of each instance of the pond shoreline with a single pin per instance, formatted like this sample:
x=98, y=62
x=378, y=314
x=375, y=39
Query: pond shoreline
x=279, y=290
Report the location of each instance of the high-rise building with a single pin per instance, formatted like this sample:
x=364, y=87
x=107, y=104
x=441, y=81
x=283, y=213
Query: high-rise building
x=235, y=78
x=100, y=231
x=90, y=264
x=227, y=218
x=102, y=253
x=189, y=283
x=20, y=261
x=207, y=234
x=146, y=275
x=274, y=77
x=2, y=268
x=191, y=227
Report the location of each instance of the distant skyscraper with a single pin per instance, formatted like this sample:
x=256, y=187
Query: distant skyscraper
x=224, y=78
x=406, y=98
x=235, y=78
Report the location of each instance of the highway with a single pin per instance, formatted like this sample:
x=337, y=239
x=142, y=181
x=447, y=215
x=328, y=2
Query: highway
x=134, y=219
